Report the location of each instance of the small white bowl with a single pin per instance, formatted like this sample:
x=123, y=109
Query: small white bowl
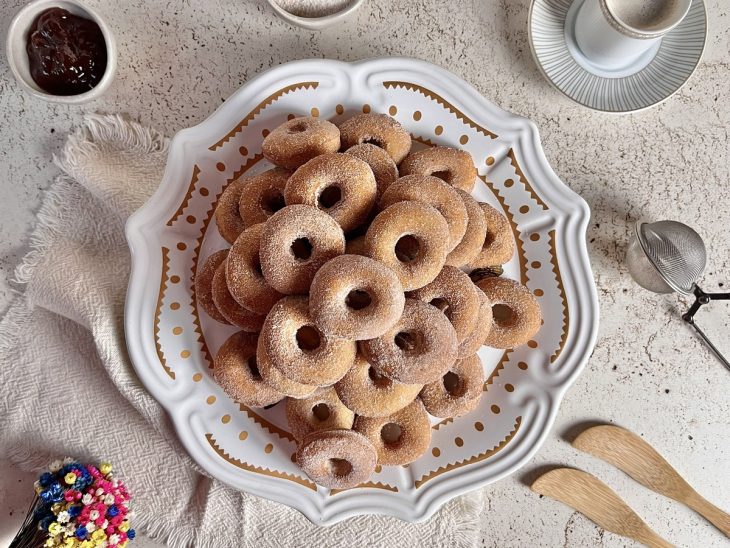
x=18, y=57
x=315, y=23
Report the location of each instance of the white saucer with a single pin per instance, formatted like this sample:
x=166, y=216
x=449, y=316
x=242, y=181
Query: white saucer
x=645, y=82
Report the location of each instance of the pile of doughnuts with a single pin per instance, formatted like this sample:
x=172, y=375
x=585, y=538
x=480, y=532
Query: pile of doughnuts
x=348, y=275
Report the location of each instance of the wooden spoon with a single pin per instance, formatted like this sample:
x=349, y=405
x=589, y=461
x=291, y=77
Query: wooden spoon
x=594, y=499
x=631, y=454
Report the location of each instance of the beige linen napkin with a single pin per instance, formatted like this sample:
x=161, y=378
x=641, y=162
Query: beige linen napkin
x=68, y=387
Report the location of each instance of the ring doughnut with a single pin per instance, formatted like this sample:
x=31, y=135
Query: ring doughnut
x=321, y=411
x=337, y=459
x=436, y=193
x=243, y=273
x=411, y=238
x=236, y=371
x=262, y=196
x=276, y=379
x=295, y=242
x=456, y=296
x=498, y=245
x=380, y=162
x=476, y=338
x=515, y=311
x=367, y=393
x=399, y=438
x=227, y=217
x=301, y=351
x=476, y=232
x=454, y=166
x=339, y=184
x=376, y=129
x=229, y=308
x=298, y=140
x=418, y=349
x=204, y=285
x=355, y=297
x=458, y=391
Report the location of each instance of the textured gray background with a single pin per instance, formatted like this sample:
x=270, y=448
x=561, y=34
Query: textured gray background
x=179, y=59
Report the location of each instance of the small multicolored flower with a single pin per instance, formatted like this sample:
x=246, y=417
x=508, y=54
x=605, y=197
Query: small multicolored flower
x=124, y=526
x=87, y=499
x=91, y=527
x=99, y=535
x=67, y=460
x=105, y=468
x=54, y=528
x=63, y=517
x=70, y=478
x=55, y=466
x=114, y=539
x=108, y=499
x=131, y=534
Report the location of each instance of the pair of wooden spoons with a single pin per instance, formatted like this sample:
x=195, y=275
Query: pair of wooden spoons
x=627, y=452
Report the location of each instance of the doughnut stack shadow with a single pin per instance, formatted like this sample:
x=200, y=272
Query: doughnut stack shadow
x=361, y=275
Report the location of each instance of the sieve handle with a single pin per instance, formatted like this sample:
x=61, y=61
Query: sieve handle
x=702, y=298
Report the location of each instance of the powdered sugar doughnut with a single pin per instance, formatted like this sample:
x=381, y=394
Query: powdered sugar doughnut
x=476, y=231
x=229, y=308
x=236, y=371
x=379, y=130
x=356, y=298
x=515, y=312
x=483, y=326
x=456, y=167
x=339, y=184
x=296, y=241
x=458, y=391
x=399, y=438
x=498, y=245
x=297, y=141
x=262, y=196
x=412, y=240
x=227, y=217
x=204, y=285
x=418, y=349
x=321, y=411
x=337, y=459
x=380, y=162
x=276, y=379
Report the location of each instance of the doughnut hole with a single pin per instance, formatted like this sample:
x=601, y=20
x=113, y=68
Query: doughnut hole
x=408, y=341
x=391, y=434
x=272, y=201
x=254, y=368
x=321, y=412
x=379, y=381
x=308, y=338
x=300, y=127
x=444, y=175
x=358, y=299
x=454, y=384
x=443, y=305
x=339, y=467
x=301, y=248
x=407, y=248
x=503, y=315
x=329, y=197
x=371, y=140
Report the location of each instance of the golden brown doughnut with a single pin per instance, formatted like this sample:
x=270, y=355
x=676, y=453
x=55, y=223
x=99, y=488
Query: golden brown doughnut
x=476, y=231
x=262, y=196
x=339, y=184
x=456, y=167
x=515, y=311
x=456, y=296
x=458, y=391
x=379, y=130
x=229, y=308
x=296, y=241
x=418, y=349
x=301, y=351
x=298, y=140
x=355, y=246
x=498, y=245
x=227, y=217
x=367, y=393
x=236, y=371
x=337, y=459
x=436, y=193
x=204, y=285
x=356, y=298
x=321, y=411
x=399, y=438
x=243, y=273
x=383, y=166
x=412, y=239
x=476, y=338
x=276, y=379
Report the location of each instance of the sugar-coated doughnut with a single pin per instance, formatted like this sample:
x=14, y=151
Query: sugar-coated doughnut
x=399, y=438
x=262, y=196
x=356, y=297
x=412, y=239
x=367, y=393
x=204, y=285
x=321, y=411
x=476, y=232
x=227, y=216
x=458, y=391
x=483, y=326
x=296, y=241
x=355, y=246
x=236, y=371
x=436, y=193
x=276, y=379
x=456, y=296
x=454, y=166
x=341, y=185
x=498, y=245
x=516, y=315
x=243, y=273
x=379, y=130
x=229, y=308
x=337, y=459
x=380, y=162
x=301, y=351
x=418, y=349
x=298, y=140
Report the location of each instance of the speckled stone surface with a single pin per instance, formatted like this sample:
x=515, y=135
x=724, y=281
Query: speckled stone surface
x=179, y=60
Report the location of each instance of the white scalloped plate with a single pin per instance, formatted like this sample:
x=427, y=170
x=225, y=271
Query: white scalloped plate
x=171, y=341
